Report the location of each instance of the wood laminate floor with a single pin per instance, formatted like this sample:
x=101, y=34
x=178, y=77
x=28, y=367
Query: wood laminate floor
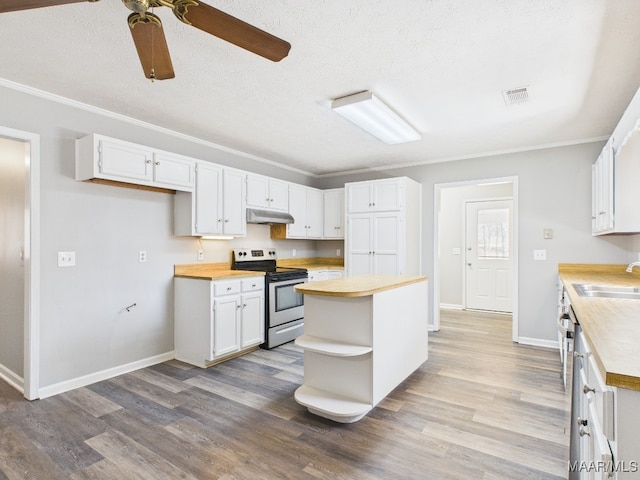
x=481, y=407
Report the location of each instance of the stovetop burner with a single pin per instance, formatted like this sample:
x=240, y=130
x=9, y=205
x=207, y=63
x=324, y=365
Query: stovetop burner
x=264, y=260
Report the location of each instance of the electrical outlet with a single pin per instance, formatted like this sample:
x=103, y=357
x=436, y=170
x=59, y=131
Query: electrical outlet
x=337, y=252
x=200, y=255
x=66, y=259
x=539, y=254
x=293, y=252
x=142, y=256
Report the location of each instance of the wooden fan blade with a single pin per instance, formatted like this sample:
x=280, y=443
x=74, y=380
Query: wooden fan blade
x=151, y=45
x=233, y=30
x=13, y=5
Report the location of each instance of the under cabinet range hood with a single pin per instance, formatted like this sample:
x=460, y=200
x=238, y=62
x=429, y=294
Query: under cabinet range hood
x=267, y=217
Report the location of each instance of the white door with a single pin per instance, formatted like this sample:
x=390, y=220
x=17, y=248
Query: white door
x=12, y=256
x=360, y=233
x=208, y=206
x=489, y=255
x=386, y=243
x=233, y=203
x=226, y=325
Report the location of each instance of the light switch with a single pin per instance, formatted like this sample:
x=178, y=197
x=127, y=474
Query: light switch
x=456, y=251
x=539, y=254
x=548, y=234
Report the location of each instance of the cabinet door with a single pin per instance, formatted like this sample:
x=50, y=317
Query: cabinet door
x=278, y=195
x=333, y=213
x=359, y=197
x=359, y=254
x=387, y=195
x=386, y=243
x=252, y=319
x=208, y=218
x=257, y=191
x=234, y=218
x=124, y=161
x=298, y=210
x=226, y=325
x=175, y=172
x=314, y=213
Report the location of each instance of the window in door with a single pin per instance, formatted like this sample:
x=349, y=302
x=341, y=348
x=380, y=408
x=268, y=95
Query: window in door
x=493, y=233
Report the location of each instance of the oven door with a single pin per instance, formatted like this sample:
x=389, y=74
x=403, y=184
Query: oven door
x=285, y=304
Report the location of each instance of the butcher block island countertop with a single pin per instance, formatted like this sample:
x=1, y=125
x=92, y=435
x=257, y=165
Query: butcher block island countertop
x=358, y=285
x=611, y=325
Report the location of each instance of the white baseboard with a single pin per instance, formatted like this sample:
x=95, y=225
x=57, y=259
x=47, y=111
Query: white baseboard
x=537, y=342
x=450, y=306
x=12, y=378
x=85, y=380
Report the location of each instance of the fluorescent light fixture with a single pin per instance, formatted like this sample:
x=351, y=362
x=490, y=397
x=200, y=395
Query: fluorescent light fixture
x=369, y=113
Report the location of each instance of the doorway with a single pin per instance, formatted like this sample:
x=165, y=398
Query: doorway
x=488, y=255
x=19, y=259
x=450, y=247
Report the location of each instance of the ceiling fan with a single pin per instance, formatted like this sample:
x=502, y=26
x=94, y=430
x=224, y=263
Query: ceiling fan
x=149, y=39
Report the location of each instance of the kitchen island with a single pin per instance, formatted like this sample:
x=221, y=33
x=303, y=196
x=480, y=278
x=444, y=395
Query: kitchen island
x=363, y=336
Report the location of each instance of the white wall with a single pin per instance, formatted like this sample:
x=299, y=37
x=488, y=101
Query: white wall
x=452, y=230
x=84, y=327
x=554, y=189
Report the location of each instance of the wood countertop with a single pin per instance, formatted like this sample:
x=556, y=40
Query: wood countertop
x=317, y=263
x=211, y=271
x=222, y=270
x=611, y=325
x=358, y=285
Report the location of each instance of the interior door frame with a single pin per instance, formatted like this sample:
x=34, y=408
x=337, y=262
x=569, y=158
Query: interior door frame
x=437, y=188
x=31, y=259
x=465, y=271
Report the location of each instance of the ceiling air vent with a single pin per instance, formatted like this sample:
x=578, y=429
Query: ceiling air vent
x=515, y=95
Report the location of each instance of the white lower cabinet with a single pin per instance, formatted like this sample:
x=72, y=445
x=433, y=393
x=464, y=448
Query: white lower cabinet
x=216, y=319
x=605, y=422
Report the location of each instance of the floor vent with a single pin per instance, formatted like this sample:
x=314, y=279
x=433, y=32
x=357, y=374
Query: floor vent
x=516, y=95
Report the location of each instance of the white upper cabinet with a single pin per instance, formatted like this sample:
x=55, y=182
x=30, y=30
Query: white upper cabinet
x=374, y=196
x=305, y=206
x=333, y=213
x=267, y=193
x=104, y=158
x=615, y=180
x=216, y=207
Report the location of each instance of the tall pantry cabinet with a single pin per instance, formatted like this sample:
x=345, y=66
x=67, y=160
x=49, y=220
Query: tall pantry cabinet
x=383, y=225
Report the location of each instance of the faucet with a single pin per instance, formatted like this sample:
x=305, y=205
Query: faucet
x=631, y=265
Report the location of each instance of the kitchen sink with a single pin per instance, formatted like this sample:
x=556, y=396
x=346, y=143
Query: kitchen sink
x=607, y=291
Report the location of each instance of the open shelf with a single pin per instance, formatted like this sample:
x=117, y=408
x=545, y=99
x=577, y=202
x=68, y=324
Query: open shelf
x=331, y=406
x=331, y=347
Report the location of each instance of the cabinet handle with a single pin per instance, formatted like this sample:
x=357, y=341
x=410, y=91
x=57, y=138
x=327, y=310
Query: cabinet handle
x=228, y=289
x=244, y=305
x=271, y=199
x=226, y=220
x=583, y=431
x=219, y=220
x=586, y=389
x=582, y=422
x=148, y=162
x=238, y=306
x=157, y=163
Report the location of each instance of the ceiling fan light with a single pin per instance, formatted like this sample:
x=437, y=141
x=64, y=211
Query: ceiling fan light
x=368, y=112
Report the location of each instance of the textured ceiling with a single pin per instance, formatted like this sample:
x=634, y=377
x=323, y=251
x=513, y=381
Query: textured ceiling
x=441, y=64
